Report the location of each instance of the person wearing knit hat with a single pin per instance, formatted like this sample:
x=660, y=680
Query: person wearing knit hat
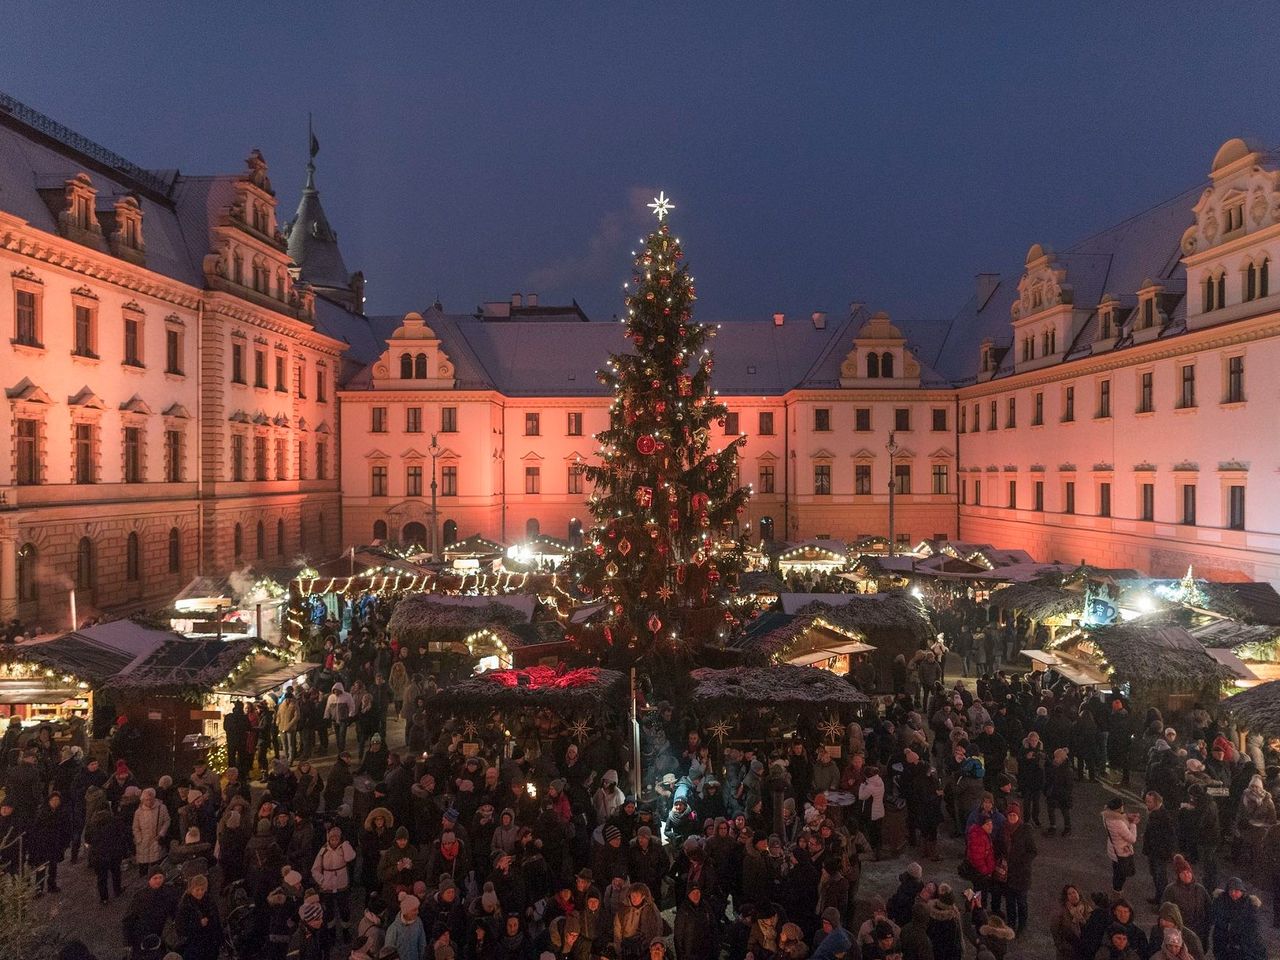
x=915, y=870
x=312, y=911
x=406, y=932
x=489, y=900
x=1190, y=897
x=611, y=833
x=1169, y=924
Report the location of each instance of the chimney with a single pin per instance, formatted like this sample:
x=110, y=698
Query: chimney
x=533, y=299
x=986, y=286
x=778, y=319
x=516, y=300
x=819, y=320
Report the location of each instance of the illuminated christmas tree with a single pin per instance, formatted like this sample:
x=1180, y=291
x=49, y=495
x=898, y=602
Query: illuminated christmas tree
x=664, y=552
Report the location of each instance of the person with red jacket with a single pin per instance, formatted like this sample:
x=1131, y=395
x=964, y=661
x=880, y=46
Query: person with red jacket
x=980, y=858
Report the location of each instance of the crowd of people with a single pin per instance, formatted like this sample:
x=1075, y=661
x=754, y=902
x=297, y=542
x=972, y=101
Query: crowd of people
x=461, y=845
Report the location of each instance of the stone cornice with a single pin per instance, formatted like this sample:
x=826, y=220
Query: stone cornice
x=232, y=308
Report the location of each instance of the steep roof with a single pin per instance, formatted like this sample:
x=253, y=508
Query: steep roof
x=313, y=243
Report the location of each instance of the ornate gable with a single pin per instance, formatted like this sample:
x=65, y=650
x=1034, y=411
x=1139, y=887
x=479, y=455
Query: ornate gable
x=1243, y=198
x=1043, y=284
x=880, y=357
x=415, y=359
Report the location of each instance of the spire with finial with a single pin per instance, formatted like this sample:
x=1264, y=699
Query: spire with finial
x=313, y=244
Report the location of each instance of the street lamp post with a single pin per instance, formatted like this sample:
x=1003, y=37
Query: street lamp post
x=434, y=450
x=892, y=447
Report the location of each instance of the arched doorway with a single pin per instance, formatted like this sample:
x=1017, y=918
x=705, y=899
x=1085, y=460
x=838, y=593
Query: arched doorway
x=575, y=533
x=379, y=529
x=531, y=528
x=450, y=533
x=414, y=534
x=766, y=529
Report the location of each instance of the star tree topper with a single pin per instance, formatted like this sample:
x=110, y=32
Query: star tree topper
x=661, y=205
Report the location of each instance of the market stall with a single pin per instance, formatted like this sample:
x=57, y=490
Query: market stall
x=1257, y=709
x=812, y=556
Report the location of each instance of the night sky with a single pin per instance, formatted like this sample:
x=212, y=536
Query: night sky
x=818, y=153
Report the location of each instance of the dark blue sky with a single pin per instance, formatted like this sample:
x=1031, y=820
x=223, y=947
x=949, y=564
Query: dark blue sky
x=818, y=152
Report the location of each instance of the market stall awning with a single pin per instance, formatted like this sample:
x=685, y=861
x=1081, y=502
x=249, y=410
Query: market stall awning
x=21, y=692
x=264, y=675
x=827, y=651
x=1239, y=669
x=1041, y=656
x=1081, y=674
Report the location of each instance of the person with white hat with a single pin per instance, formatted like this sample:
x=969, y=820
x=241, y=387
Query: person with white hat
x=406, y=933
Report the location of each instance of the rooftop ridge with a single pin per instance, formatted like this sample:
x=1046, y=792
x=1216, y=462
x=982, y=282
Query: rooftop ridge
x=145, y=179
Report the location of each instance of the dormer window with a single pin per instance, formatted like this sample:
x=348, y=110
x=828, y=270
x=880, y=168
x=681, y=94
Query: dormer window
x=1147, y=315
x=1234, y=216
x=82, y=212
x=886, y=364
x=406, y=366
x=261, y=218
x=1049, y=342
x=1106, y=323
x=873, y=365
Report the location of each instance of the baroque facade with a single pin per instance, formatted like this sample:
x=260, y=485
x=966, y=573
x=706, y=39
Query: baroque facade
x=193, y=388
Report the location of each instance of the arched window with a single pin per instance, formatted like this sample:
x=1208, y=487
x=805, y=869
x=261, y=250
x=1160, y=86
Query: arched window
x=406, y=366
x=280, y=537
x=1264, y=278
x=28, y=583
x=132, y=559
x=886, y=364
x=531, y=528
x=175, y=550
x=237, y=545
x=766, y=529
x=414, y=534
x=873, y=365
x=1206, y=294
x=1221, y=299
x=575, y=533
x=450, y=533
x=1251, y=282
x=420, y=366
x=86, y=575
x=380, y=530
x=262, y=541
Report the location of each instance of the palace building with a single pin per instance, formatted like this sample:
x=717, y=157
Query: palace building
x=193, y=388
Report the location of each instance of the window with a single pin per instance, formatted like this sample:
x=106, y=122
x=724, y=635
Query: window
x=1106, y=328
x=377, y=419
x=133, y=341
x=977, y=492
x=1235, y=507
x=132, y=455
x=281, y=386
x=977, y=420
x=1147, y=314
x=991, y=416
x=574, y=426
x=1189, y=504
x=261, y=543
x=175, y=550
x=27, y=433
x=532, y=480
x=575, y=478
x=862, y=479
x=1147, y=494
x=85, y=339
x=1146, y=392
x=237, y=457
x=300, y=379
x=86, y=441
x=1264, y=278
x=963, y=419
x=237, y=363
x=448, y=481
x=766, y=478
x=886, y=365
x=378, y=481
x=822, y=479
x=1069, y=497
x=301, y=461
x=322, y=460
x=322, y=386
x=237, y=541
x=259, y=458
x=1037, y=409
x=260, y=368
x=531, y=425
x=901, y=478
x=1068, y=404
x=413, y=481
x=132, y=558
x=862, y=419
x=173, y=355
x=86, y=572
x=1037, y=496
x=822, y=420
x=413, y=420
x=420, y=367
x=1013, y=495
x=1208, y=287
x=1186, y=386
x=1104, y=499
x=873, y=365
x=730, y=424
x=1104, y=399
x=173, y=456
x=766, y=424
x=406, y=367
x=1235, y=380
x=1011, y=413
x=282, y=459
x=964, y=490
x=939, y=419
x=27, y=320
x=902, y=418
x=448, y=419
x=1250, y=283
x=941, y=479
x=28, y=579
x=1234, y=216
x=379, y=530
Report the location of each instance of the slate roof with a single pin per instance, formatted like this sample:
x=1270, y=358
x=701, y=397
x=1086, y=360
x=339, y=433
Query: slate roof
x=313, y=244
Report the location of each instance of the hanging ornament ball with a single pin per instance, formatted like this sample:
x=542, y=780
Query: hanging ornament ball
x=699, y=501
x=617, y=609
x=683, y=331
x=655, y=623
x=666, y=311
x=647, y=444
x=649, y=295
x=599, y=548
x=660, y=338
x=656, y=384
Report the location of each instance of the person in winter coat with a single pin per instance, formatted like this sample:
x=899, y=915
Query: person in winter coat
x=1159, y=842
x=1190, y=897
x=909, y=886
x=944, y=928
x=1058, y=786
x=108, y=842
x=1174, y=947
x=636, y=923
x=1122, y=916
x=1237, y=933
x=914, y=939
x=47, y=840
x=871, y=792
x=1031, y=775
x=608, y=798
x=405, y=933
x=150, y=825
x=696, y=928
x=1122, y=837
x=149, y=911
x=1168, y=922
x=1069, y=923
x=980, y=857
x=994, y=937
x=331, y=872
x=1117, y=946
x=198, y=925
x=1019, y=849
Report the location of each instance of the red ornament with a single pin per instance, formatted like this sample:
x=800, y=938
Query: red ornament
x=713, y=575
x=682, y=572
x=644, y=496
x=599, y=548
x=656, y=384
x=647, y=445
x=673, y=520
x=608, y=636
x=655, y=624
x=699, y=501
x=660, y=408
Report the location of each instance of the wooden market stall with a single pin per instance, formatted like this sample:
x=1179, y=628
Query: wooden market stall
x=464, y=634
x=1257, y=709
